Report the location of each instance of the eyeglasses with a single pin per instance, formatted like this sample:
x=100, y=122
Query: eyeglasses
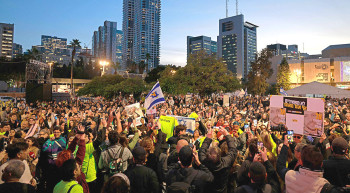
x=299, y=137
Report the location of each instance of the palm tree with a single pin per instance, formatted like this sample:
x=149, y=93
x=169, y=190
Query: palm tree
x=142, y=66
x=74, y=43
x=148, y=56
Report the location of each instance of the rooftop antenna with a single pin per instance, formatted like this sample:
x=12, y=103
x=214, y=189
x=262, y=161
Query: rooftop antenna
x=236, y=7
x=227, y=8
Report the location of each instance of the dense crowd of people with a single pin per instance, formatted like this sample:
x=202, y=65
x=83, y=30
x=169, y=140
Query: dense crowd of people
x=95, y=146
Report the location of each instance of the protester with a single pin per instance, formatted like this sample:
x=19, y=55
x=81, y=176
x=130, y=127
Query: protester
x=70, y=171
x=142, y=179
x=224, y=145
x=11, y=176
x=18, y=151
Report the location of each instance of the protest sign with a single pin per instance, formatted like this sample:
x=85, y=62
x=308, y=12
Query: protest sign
x=134, y=110
x=226, y=100
x=302, y=115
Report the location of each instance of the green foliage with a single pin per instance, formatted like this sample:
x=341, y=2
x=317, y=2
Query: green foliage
x=154, y=74
x=131, y=66
x=260, y=72
x=272, y=90
x=98, y=85
x=283, y=76
x=131, y=86
x=111, y=85
x=203, y=74
x=142, y=66
x=80, y=70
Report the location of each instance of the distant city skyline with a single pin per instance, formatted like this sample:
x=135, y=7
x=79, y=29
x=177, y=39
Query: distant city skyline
x=315, y=24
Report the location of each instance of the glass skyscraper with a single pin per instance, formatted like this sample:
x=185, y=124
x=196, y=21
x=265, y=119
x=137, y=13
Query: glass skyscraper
x=141, y=30
x=237, y=44
x=119, y=46
x=195, y=44
x=104, y=42
x=51, y=43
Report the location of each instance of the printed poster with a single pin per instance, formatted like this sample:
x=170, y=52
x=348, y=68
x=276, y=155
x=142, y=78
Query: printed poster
x=302, y=115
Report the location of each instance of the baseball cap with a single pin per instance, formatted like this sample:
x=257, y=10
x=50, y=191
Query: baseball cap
x=139, y=153
x=339, y=145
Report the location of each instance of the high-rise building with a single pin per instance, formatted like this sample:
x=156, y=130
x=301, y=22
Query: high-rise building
x=237, y=44
x=6, y=42
x=141, y=31
x=16, y=50
x=50, y=43
x=104, y=42
x=119, y=46
x=195, y=44
x=290, y=53
x=277, y=49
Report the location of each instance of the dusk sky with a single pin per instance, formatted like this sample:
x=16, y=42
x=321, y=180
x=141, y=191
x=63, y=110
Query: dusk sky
x=316, y=23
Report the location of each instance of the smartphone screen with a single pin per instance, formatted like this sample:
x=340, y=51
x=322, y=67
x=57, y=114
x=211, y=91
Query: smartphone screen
x=290, y=136
x=260, y=146
x=255, y=122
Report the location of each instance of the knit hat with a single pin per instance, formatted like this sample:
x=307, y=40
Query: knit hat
x=185, y=155
x=339, y=145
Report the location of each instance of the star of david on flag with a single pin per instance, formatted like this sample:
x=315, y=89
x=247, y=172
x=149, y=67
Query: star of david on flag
x=154, y=97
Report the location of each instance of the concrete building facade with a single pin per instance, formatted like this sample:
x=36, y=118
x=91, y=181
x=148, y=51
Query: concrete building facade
x=6, y=42
x=237, y=44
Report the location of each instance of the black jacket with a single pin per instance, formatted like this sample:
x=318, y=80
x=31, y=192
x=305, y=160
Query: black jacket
x=337, y=170
x=220, y=170
x=202, y=178
x=273, y=185
x=142, y=180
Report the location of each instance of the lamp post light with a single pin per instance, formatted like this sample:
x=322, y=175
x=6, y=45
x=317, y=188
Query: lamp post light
x=173, y=72
x=297, y=73
x=103, y=64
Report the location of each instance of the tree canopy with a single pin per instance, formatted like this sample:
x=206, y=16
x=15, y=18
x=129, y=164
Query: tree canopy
x=260, y=71
x=203, y=74
x=283, y=76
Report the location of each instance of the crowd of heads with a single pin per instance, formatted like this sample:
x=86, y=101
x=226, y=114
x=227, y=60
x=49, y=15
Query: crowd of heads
x=45, y=144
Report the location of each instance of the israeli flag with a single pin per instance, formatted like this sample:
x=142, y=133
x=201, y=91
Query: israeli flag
x=283, y=92
x=154, y=97
x=189, y=122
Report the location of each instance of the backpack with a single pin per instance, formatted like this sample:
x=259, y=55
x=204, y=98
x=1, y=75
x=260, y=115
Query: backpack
x=116, y=163
x=184, y=186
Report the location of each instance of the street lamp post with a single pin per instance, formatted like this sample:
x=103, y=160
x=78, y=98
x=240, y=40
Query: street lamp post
x=103, y=64
x=297, y=74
